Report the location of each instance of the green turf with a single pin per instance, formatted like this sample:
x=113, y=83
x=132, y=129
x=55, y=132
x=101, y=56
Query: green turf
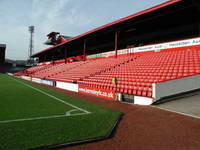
x=18, y=101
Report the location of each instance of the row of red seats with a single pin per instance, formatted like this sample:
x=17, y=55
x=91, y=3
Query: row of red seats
x=56, y=69
x=90, y=68
x=135, y=74
x=140, y=73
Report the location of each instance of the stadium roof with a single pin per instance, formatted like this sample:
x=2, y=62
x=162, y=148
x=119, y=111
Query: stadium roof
x=124, y=22
x=66, y=37
x=2, y=45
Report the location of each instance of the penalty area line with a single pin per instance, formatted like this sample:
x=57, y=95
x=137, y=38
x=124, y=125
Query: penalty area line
x=58, y=99
x=41, y=118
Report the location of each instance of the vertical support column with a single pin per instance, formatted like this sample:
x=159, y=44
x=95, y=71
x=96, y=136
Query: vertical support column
x=116, y=42
x=84, y=49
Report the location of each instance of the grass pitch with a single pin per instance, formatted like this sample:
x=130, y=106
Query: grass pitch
x=32, y=117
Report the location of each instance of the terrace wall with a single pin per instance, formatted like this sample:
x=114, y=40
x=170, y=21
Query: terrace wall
x=173, y=87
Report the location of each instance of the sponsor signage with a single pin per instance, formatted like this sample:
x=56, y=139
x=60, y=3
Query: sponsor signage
x=154, y=47
x=44, y=63
x=67, y=86
x=108, y=94
x=175, y=44
x=10, y=74
x=108, y=54
x=47, y=82
x=26, y=78
x=37, y=80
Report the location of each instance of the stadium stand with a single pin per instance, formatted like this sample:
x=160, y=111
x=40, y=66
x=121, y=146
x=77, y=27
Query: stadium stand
x=89, y=68
x=2, y=53
x=131, y=56
x=54, y=70
x=32, y=70
x=3, y=67
x=35, y=69
x=137, y=75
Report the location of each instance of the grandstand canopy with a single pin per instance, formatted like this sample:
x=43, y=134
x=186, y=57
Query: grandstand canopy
x=2, y=53
x=172, y=20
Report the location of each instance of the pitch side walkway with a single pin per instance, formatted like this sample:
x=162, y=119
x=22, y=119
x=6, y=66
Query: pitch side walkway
x=144, y=128
x=189, y=105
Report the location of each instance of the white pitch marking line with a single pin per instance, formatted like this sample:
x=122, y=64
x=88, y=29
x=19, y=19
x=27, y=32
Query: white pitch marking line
x=52, y=96
x=40, y=118
x=68, y=113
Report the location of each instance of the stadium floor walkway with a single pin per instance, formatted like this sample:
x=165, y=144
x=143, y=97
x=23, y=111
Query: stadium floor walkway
x=144, y=128
x=189, y=104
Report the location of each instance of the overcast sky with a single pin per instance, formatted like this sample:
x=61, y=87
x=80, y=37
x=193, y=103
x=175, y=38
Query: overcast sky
x=69, y=17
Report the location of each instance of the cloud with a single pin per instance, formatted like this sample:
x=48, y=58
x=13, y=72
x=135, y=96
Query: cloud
x=63, y=16
x=69, y=17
